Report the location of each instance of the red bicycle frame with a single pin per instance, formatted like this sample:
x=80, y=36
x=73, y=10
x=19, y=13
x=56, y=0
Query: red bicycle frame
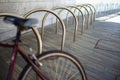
x=16, y=49
x=19, y=23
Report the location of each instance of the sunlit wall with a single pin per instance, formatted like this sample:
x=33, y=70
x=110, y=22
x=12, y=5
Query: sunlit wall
x=21, y=6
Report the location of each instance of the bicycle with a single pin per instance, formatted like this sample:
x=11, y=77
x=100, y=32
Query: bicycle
x=50, y=65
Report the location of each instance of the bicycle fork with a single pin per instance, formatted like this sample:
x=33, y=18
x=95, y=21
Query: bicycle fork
x=36, y=67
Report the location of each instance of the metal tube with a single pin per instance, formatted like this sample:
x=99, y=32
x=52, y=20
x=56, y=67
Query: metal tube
x=75, y=19
x=83, y=19
x=49, y=11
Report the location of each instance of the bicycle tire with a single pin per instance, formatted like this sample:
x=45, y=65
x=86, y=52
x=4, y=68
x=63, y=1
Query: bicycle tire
x=68, y=68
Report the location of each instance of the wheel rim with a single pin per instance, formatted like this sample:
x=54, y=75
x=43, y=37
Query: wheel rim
x=58, y=68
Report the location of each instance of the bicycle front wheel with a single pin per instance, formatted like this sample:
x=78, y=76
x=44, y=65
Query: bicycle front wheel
x=58, y=65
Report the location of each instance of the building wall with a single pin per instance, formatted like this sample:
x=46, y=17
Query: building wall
x=22, y=6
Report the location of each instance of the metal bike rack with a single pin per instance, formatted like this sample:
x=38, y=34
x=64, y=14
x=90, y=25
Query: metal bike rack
x=39, y=41
x=88, y=20
x=83, y=17
x=94, y=11
x=91, y=14
x=75, y=19
x=49, y=11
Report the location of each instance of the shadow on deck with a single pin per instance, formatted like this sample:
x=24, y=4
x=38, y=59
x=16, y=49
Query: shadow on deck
x=98, y=49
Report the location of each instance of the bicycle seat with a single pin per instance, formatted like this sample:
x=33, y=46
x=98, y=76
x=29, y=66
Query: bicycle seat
x=20, y=22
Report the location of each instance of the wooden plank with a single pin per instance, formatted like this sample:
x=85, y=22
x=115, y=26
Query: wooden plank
x=99, y=64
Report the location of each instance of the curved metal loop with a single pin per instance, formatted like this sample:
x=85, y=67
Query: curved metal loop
x=10, y=14
x=91, y=14
x=88, y=20
x=83, y=17
x=94, y=11
x=49, y=11
x=75, y=19
x=33, y=28
x=39, y=40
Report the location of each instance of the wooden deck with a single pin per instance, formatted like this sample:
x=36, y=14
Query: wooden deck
x=98, y=49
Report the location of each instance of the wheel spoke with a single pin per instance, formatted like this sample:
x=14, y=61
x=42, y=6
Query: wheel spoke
x=57, y=66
